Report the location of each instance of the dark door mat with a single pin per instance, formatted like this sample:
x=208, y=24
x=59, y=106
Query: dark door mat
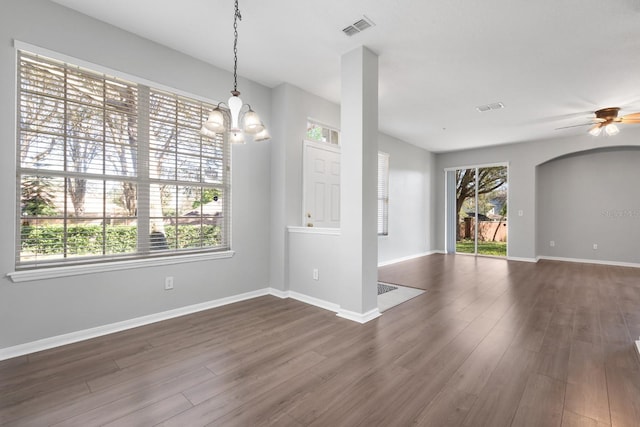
x=383, y=289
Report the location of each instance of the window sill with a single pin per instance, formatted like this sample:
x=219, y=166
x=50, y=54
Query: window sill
x=76, y=270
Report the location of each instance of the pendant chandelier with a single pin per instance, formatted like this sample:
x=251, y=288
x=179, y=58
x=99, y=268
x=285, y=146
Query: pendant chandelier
x=241, y=123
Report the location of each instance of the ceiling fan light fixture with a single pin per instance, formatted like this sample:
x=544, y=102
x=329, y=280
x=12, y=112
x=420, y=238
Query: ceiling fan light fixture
x=606, y=119
x=596, y=130
x=611, y=129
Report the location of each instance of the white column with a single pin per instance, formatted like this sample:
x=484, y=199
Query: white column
x=358, y=187
x=278, y=250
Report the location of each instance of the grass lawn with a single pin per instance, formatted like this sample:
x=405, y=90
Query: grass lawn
x=484, y=248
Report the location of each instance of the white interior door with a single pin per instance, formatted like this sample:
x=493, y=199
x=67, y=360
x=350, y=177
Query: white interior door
x=321, y=188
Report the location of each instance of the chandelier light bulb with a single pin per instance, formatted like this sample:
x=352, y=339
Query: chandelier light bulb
x=215, y=121
x=206, y=132
x=263, y=135
x=252, y=123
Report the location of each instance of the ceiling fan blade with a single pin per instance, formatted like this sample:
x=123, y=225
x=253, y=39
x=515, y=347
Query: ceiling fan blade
x=575, y=126
x=629, y=121
x=632, y=116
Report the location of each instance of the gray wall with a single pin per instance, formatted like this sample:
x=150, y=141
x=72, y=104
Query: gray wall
x=321, y=251
x=410, y=218
x=39, y=309
x=410, y=209
x=411, y=195
x=523, y=160
x=291, y=108
x=590, y=197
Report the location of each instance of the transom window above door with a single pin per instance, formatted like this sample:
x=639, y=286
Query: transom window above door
x=322, y=133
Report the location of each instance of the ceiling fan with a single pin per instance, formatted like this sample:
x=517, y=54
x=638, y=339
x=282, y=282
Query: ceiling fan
x=606, y=118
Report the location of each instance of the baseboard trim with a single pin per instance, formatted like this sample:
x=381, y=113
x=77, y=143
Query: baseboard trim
x=314, y=301
x=359, y=317
x=278, y=293
x=407, y=258
x=591, y=261
x=326, y=305
x=73, y=337
x=320, y=303
x=522, y=259
x=86, y=334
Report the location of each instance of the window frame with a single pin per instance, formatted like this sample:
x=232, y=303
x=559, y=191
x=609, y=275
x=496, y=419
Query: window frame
x=331, y=131
x=61, y=266
x=383, y=193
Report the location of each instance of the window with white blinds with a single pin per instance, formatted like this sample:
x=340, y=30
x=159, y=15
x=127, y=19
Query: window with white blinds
x=110, y=169
x=383, y=193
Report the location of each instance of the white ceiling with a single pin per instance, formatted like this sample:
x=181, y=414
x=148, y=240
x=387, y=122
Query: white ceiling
x=551, y=62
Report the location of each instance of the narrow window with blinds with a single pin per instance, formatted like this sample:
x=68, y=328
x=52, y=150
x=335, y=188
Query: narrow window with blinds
x=383, y=193
x=110, y=169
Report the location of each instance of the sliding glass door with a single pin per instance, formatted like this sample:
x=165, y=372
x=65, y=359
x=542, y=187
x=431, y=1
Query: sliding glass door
x=478, y=197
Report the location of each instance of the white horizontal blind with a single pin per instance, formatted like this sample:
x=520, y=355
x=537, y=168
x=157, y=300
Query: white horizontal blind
x=383, y=193
x=109, y=169
x=188, y=176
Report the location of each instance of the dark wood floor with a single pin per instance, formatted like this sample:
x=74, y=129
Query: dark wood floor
x=491, y=343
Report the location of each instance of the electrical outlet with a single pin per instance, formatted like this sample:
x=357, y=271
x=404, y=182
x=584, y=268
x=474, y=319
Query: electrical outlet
x=595, y=246
x=520, y=212
x=552, y=243
x=316, y=275
x=168, y=283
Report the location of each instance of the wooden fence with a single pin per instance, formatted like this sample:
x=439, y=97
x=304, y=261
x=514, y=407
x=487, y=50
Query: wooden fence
x=492, y=231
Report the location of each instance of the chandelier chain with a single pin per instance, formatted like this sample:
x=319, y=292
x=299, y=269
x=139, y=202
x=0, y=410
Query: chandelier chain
x=237, y=16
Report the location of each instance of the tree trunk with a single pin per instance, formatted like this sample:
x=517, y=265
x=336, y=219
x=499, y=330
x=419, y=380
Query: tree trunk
x=77, y=189
x=129, y=195
x=462, y=193
x=495, y=233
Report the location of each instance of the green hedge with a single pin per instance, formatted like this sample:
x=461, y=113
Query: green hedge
x=88, y=239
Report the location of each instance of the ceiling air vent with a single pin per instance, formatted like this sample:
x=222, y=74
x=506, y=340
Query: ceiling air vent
x=358, y=26
x=362, y=24
x=489, y=107
x=350, y=30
